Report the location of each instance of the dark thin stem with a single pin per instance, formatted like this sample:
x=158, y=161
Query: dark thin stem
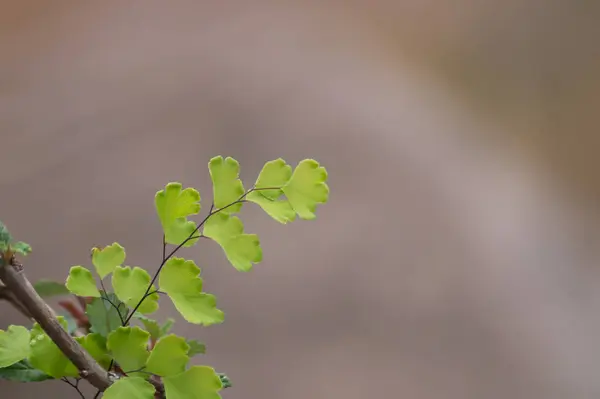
x=140, y=370
x=174, y=251
x=111, y=364
x=114, y=306
x=74, y=385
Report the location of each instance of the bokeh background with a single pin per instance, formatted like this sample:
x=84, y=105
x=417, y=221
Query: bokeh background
x=456, y=257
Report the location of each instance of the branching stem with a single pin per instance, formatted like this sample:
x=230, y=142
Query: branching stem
x=191, y=236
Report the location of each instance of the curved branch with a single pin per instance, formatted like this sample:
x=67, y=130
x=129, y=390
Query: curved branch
x=12, y=275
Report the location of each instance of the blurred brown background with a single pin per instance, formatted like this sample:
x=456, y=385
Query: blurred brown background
x=456, y=257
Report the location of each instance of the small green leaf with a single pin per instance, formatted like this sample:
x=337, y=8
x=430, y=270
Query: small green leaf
x=129, y=388
x=227, y=186
x=95, y=345
x=179, y=278
x=128, y=346
x=242, y=250
x=71, y=323
x=14, y=345
x=150, y=325
x=130, y=285
x=23, y=371
x=81, y=282
x=169, y=356
x=49, y=288
x=47, y=357
x=280, y=210
x=198, y=382
x=103, y=316
x=165, y=328
x=307, y=188
x=21, y=247
x=173, y=206
x=108, y=258
x=196, y=347
x=5, y=236
x=225, y=380
x=273, y=176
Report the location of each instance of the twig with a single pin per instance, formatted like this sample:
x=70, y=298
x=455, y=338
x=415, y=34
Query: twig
x=12, y=275
x=74, y=385
x=191, y=236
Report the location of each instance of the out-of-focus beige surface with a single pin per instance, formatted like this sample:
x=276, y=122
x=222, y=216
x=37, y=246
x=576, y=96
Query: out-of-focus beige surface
x=454, y=257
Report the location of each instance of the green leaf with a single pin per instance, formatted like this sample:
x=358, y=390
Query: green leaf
x=169, y=356
x=21, y=247
x=5, y=236
x=130, y=285
x=95, y=345
x=165, y=328
x=280, y=210
x=49, y=288
x=47, y=357
x=179, y=278
x=23, y=371
x=71, y=323
x=150, y=325
x=14, y=345
x=108, y=258
x=273, y=176
x=267, y=191
x=242, y=250
x=128, y=346
x=307, y=188
x=198, y=382
x=173, y=206
x=225, y=380
x=227, y=186
x=196, y=347
x=129, y=388
x=81, y=282
x=103, y=316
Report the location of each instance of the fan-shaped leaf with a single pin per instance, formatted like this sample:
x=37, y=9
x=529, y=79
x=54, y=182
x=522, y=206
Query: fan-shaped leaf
x=49, y=288
x=129, y=388
x=307, y=188
x=21, y=247
x=280, y=210
x=108, y=258
x=5, y=236
x=14, y=345
x=95, y=345
x=227, y=186
x=273, y=176
x=150, y=325
x=242, y=250
x=180, y=280
x=23, y=372
x=103, y=316
x=196, y=347
x=198, y=382
x=47, y=357
x=128, y=346
x=173, y=206
x=169, y=356
x=81, y=282
x=130, y=285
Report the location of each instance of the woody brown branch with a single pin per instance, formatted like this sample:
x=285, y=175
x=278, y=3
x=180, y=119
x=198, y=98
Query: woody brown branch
x=13, y=277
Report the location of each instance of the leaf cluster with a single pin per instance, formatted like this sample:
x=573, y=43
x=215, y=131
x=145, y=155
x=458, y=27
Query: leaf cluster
x=119, y=331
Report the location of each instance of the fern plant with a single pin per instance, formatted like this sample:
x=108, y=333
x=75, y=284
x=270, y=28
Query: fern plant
x=107, y=335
